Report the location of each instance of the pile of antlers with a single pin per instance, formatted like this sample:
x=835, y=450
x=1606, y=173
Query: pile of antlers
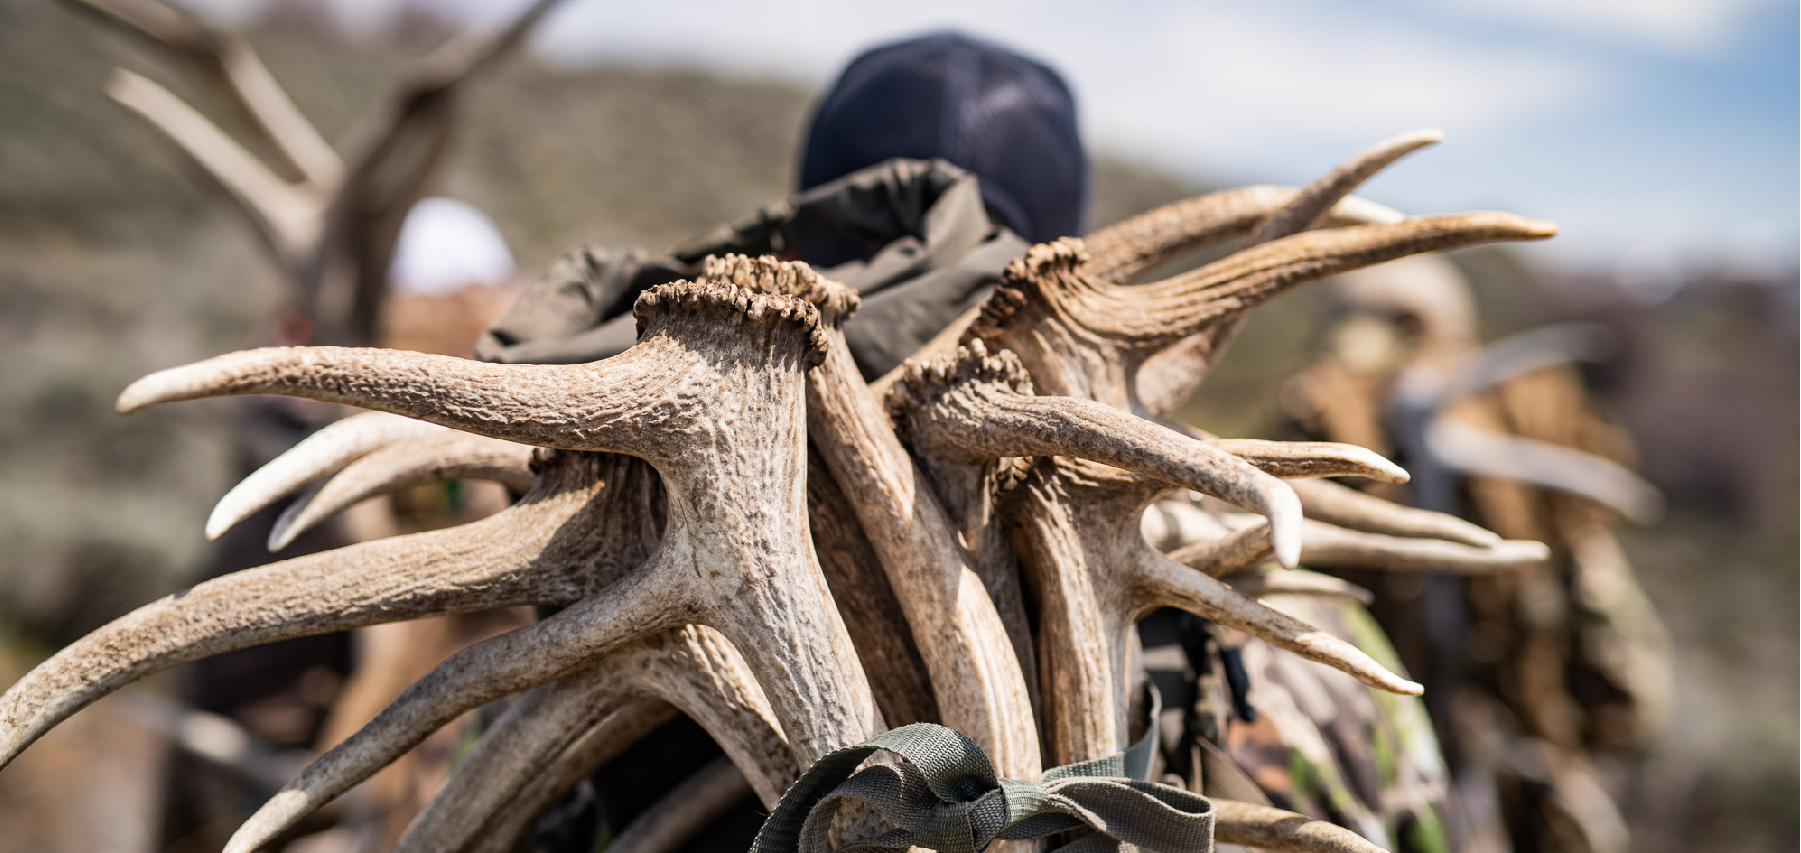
x=727, y=520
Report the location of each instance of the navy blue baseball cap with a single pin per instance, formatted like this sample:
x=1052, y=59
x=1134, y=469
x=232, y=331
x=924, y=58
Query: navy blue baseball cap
x=1007, y=118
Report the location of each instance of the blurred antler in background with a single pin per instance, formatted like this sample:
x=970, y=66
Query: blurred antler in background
x=330, y=222
x=1564, y=661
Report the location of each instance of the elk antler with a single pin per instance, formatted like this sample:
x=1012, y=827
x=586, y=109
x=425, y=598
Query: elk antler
x=450, y=456
x=975, y=674
x=721, y=423
x=333, y=231
x=1170, y=377
x=540, y=551
x=692, y=668
x=1093, y=572
x=1080, y=337
x=331, y=448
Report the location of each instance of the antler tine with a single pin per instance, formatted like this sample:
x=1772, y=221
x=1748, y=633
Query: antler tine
x=1329, y=546
x=1478, y=452
x=469, y=55
x=692, y=668
x=1259, y=584
x=1169, y=377
x=1166, y=583
x=969, y=407
x=453, y=392
x=1266, y=828
x=287, y=217
x=1121, y=253
x=1012, y=424
x=547, y=406
x=538, y=726
x=490, y=563
x=316, y=456
x=1230, y=554
x=1326, y=501
x=1176, y=307
x=454, y=456
x=500, y=666
x=1312, y=203
x=600, y=406
x=1308, y=459
x=227, y=64
x=601, y=744
x=704, y=676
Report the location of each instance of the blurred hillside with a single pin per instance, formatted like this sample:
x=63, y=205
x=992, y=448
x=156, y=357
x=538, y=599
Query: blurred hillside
x=114, y=263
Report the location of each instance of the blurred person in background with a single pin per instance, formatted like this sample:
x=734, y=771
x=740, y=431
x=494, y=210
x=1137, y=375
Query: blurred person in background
x=1540, y=680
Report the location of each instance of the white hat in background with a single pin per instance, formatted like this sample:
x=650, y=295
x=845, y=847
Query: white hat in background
x=445, y=246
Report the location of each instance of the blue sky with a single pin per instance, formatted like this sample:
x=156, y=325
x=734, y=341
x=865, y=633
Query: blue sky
x=1657, y=133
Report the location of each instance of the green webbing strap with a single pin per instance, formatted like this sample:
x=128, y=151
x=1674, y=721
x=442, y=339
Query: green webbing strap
x=944, y=795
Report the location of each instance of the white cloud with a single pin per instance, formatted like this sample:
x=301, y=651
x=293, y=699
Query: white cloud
x=1687, y=26
x=1242, y=87
x=1214, y=87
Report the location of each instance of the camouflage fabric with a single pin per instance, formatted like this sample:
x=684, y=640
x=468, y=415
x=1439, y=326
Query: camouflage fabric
x=1245, y=721
x=1323, y=744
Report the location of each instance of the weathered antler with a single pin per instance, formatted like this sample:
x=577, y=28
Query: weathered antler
x=976, y=675
x=1122, y=253
x=1265, y=828
x=1170, y=377
x=452, y=456
x=694, y=669
x=541, y=551
x=318, y=455
x=1238, y=541
x=1094, y=574
x=1082, y=337
x=722, y=426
